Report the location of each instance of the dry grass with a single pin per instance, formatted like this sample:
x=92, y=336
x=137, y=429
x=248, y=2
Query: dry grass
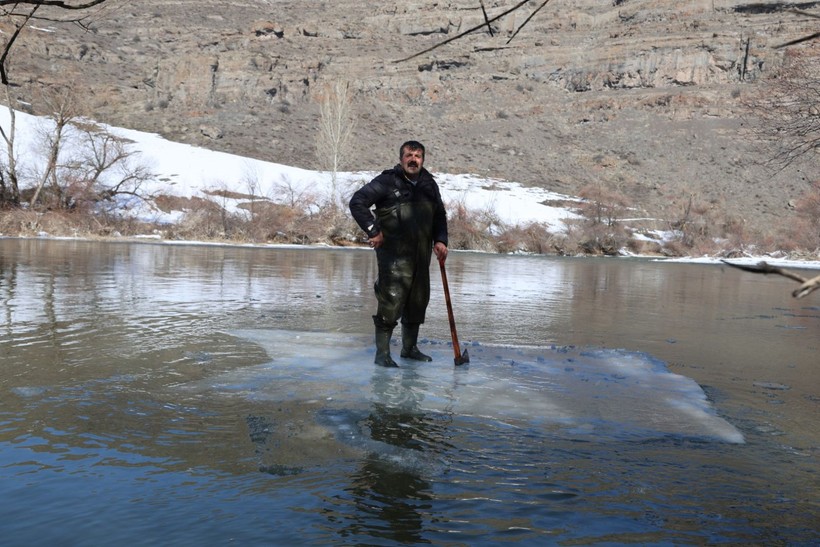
x=806, y=232
x=530, y=238
x=73, y=223
x=468, y=231
x=699, y=227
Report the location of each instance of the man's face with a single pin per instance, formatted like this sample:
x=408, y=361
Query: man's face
x=412, y=161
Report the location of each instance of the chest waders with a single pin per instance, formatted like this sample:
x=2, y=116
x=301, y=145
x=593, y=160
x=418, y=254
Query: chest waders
x=403, y=283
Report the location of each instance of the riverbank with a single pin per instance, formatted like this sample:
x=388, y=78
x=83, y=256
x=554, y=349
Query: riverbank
x=182, y=192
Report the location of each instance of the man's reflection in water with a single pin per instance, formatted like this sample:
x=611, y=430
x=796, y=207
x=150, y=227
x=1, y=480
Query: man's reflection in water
x=393, y=494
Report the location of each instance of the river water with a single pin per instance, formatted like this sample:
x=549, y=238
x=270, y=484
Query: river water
x=159, y=394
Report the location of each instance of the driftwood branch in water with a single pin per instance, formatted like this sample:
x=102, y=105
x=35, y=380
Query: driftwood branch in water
x=808, y=285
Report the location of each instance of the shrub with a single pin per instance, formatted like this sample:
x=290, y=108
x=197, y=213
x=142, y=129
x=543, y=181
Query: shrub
x=530, y=238
x=807, y=230
x=699, y=225
x=272, y=222
x=601, y=239
x=329, y=224
x=602, y=205
x=468, y=230
x=644, y=247
x=600, y=231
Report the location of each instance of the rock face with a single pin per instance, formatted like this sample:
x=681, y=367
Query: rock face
x=632, y=94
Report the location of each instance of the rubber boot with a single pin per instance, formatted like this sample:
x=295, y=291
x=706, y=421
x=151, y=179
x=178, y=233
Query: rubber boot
x=383, y=334
x=409, y=339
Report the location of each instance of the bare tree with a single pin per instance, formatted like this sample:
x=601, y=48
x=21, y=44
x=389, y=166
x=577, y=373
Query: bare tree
x=106, y=168
x=64, y=113
x=250, y=178
x=9, y=183
x=335, y=130
x=787, y=112
x=82, y=161
x=293, y=195
x=21, y=13
x=602, y=205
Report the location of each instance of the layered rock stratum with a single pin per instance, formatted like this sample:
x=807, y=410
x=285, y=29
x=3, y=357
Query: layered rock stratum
x=643, y=96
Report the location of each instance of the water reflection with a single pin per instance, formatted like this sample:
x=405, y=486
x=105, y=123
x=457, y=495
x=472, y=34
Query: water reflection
x=388, y=495
x=99, y=424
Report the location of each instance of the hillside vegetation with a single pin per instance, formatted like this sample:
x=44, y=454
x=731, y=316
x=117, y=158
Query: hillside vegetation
x=642, y=108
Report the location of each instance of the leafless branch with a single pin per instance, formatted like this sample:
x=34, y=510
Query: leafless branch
x=32, y=6
x=805, y=13
x=808, y=285
x=804, y=38
x=799, y=40
x=527, y=20
x=62, y=4
x=484, y=11
x=784, y=114
x=465, y=33
x=7, y=48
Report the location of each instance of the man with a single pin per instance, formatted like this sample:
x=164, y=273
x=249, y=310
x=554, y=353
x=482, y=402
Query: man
x=408, y=225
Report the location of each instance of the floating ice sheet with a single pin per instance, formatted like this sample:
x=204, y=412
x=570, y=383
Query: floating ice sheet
x=571, y=392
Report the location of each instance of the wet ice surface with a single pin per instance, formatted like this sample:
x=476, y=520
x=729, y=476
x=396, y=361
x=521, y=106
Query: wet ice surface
x=573, y=393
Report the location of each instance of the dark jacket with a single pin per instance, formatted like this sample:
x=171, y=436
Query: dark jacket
x=393, y=197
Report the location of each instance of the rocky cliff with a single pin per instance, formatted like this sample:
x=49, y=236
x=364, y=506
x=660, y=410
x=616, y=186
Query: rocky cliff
x=642, y=96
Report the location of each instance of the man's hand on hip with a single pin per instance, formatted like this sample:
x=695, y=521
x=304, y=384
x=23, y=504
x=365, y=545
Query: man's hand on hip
x=377, y=240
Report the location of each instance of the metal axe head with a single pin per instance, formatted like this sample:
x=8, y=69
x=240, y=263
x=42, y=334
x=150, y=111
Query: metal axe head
x=464, y=358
